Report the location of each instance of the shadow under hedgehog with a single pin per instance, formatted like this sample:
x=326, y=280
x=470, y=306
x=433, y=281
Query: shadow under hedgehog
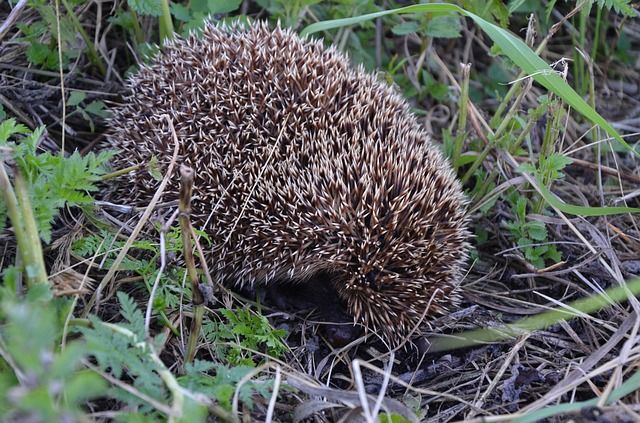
x=303, y=164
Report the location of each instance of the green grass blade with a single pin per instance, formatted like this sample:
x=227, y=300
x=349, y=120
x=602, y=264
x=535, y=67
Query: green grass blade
x=587, y=305
x=417, y=8
x=629, y=386
x=546, y=412
x=581, y=210
x=512, y=46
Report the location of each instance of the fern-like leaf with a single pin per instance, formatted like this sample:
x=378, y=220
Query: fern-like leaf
x=622, y=7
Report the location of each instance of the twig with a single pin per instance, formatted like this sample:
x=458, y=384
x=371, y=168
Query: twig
x=156, y=283
x=13, y=16
x=121, y=172
x=496, y=379
x=65, y=329
x=274, y=396
x=201, y=256
x=577, y=376
x=383, y=387
x=197, y=300
x=246, y=378
x=351, y=398
x=362, y=393
x=61, y=72
x=606, y=170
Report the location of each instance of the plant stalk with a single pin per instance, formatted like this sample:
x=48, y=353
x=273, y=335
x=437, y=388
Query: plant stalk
x=94, y=57
x=166, y=23
x=137, y=29
x=13, y=210
x=462, y=115
x=121, y=172
x=197, y=299
x=32, y=252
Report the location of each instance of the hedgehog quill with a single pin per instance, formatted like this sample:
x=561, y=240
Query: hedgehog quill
x=303, y=164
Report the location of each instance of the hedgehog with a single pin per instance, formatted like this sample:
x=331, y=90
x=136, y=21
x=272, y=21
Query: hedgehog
x=304, y=164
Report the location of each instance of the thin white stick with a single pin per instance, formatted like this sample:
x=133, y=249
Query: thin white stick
x=385, y=383
x=362, y=393
x=163, y=262
x=274, y=396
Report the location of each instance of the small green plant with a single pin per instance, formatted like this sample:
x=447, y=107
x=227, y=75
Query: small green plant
x=143, y=260
x=223, y=385
x=531, y=236
x=44, y=41
x=242, y=334
x=41, y=37
x=288, y=11
x=122, y=351
x=88, y=111
x=53, y=180
x=38, y=380
x=193, y=14
x=39, y=53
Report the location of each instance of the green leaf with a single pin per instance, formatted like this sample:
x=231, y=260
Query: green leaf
x=124, y=19
x=180, y=12
x=97, y=108
x=444, y=27
x=83, y=386
x=132, y=314
x=513, y=47
x=622, y=7
x=146, y=7
x=38, y=53
x=556, y=162
x=521, y=208
x=537, y=230
x=553, y=254
x=153, y=167
x=9, y=128
x=392, y=418
x=514, y=5
x=223, y=6
x=405, y=28
x=53, y=180
x=75, y=98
